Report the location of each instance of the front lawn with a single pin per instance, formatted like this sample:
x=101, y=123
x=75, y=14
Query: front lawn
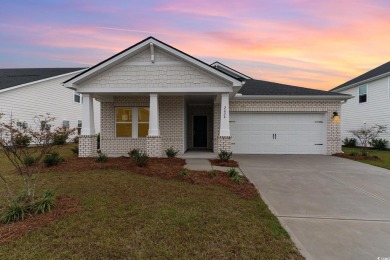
x=128, y=215
x=384, y=157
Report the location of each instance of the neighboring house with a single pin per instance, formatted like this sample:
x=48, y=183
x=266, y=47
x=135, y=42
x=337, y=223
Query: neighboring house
x=154, y=96
x=370, y=104
x=26, y=93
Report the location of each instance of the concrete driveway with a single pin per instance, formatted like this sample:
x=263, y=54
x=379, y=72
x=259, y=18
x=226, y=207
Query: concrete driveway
x=333, y=208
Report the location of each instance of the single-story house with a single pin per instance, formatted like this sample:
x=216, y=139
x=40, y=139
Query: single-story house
x=371, y=101
x=26, y=93
x=154, y=96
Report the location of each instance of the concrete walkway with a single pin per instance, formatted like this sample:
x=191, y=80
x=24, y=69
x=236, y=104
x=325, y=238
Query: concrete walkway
x=198, y=164
x=333, y=208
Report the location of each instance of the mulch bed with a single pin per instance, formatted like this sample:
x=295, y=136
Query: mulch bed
x=64, y=206
x=357, y=157
x=230, y=163
x=166, y=168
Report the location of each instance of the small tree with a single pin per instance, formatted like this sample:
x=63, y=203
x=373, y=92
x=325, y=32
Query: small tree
x=15, y=142
x=367, y=134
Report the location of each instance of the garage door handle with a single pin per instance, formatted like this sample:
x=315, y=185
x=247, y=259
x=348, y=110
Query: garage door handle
x=318, y=144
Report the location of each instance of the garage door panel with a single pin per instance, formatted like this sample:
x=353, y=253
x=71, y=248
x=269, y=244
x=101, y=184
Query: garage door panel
x=296, y=133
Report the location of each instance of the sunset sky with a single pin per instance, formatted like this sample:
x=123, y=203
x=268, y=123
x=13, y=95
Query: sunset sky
x=318, y=44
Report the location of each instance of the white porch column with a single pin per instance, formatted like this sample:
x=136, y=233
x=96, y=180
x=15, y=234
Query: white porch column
x=224, y=127
x=88, y=123
x=154, y=128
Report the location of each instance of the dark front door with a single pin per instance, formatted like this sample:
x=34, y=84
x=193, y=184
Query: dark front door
x=200, y=131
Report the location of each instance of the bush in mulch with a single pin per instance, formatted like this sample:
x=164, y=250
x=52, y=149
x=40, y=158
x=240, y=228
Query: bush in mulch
x=64, y=206
x=357, y=157
x=166, y=168
x=229, y=163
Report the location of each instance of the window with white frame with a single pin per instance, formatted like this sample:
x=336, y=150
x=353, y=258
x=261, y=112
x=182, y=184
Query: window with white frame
x=363, y=94
x=76, y=97
x=79, y=126
x=132, y=121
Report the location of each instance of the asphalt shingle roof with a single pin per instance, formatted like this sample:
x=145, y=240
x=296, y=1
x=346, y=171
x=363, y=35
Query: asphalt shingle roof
x=261, y=87
x=382, y=69
x=14, y=77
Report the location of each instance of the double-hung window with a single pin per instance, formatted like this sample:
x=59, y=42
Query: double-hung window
x=76, y=97
x=132, y=121
x=363, y=94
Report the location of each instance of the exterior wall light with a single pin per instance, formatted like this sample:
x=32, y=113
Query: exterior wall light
x=336, y=117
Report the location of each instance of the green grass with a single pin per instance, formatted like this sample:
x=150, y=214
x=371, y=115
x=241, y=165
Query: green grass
x=127, y=215
x=384, y=157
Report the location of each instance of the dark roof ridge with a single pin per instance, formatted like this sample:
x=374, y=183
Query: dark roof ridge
x=380, y=70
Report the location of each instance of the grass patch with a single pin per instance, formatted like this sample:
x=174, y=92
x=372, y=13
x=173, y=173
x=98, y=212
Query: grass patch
x=384, y=157
x=128, y=215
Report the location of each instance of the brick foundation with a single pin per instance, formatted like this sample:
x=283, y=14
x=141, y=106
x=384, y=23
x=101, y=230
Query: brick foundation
x=87, y=145
x=153, y=146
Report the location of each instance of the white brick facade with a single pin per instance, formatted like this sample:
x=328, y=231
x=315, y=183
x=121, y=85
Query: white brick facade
x=171, y=119
x=87, y=145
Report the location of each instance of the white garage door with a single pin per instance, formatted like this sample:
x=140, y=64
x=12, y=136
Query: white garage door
x=272, y=133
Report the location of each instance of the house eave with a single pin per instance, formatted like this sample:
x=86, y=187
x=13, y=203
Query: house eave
x=362, y=82
x=158, y=90
x=40, y=81
x=292, y=97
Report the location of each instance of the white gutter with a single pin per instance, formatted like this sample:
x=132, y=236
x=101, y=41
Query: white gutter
x=362, y=82
x=292, y=97
x=41, y=80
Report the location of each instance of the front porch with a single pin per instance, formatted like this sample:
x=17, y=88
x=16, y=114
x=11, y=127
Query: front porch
x=155, y=122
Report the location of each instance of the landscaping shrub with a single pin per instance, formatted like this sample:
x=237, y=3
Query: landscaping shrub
x=234, y=175
x=52, y=159
x=184, y=173
x=60, y=139
x=29, y=160
x=225, y=155
x=134, y=153
x=22, y=140
x=212, y=173
x=379, y=144
x=75, y=150
x=349, y=142
x=76, y=140
x=102, y=158
x=232, y=172
x=15, y=212
x=23, y=208
x=353, y=153
x=140, y=158
x=43, y=204
x=237, y=179
x=171, y=152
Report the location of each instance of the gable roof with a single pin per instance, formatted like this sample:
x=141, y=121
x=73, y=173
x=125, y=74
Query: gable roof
x=14, y=77
x=254, y=87
x=117, y=58
x=226, y=69
x=378, y=71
